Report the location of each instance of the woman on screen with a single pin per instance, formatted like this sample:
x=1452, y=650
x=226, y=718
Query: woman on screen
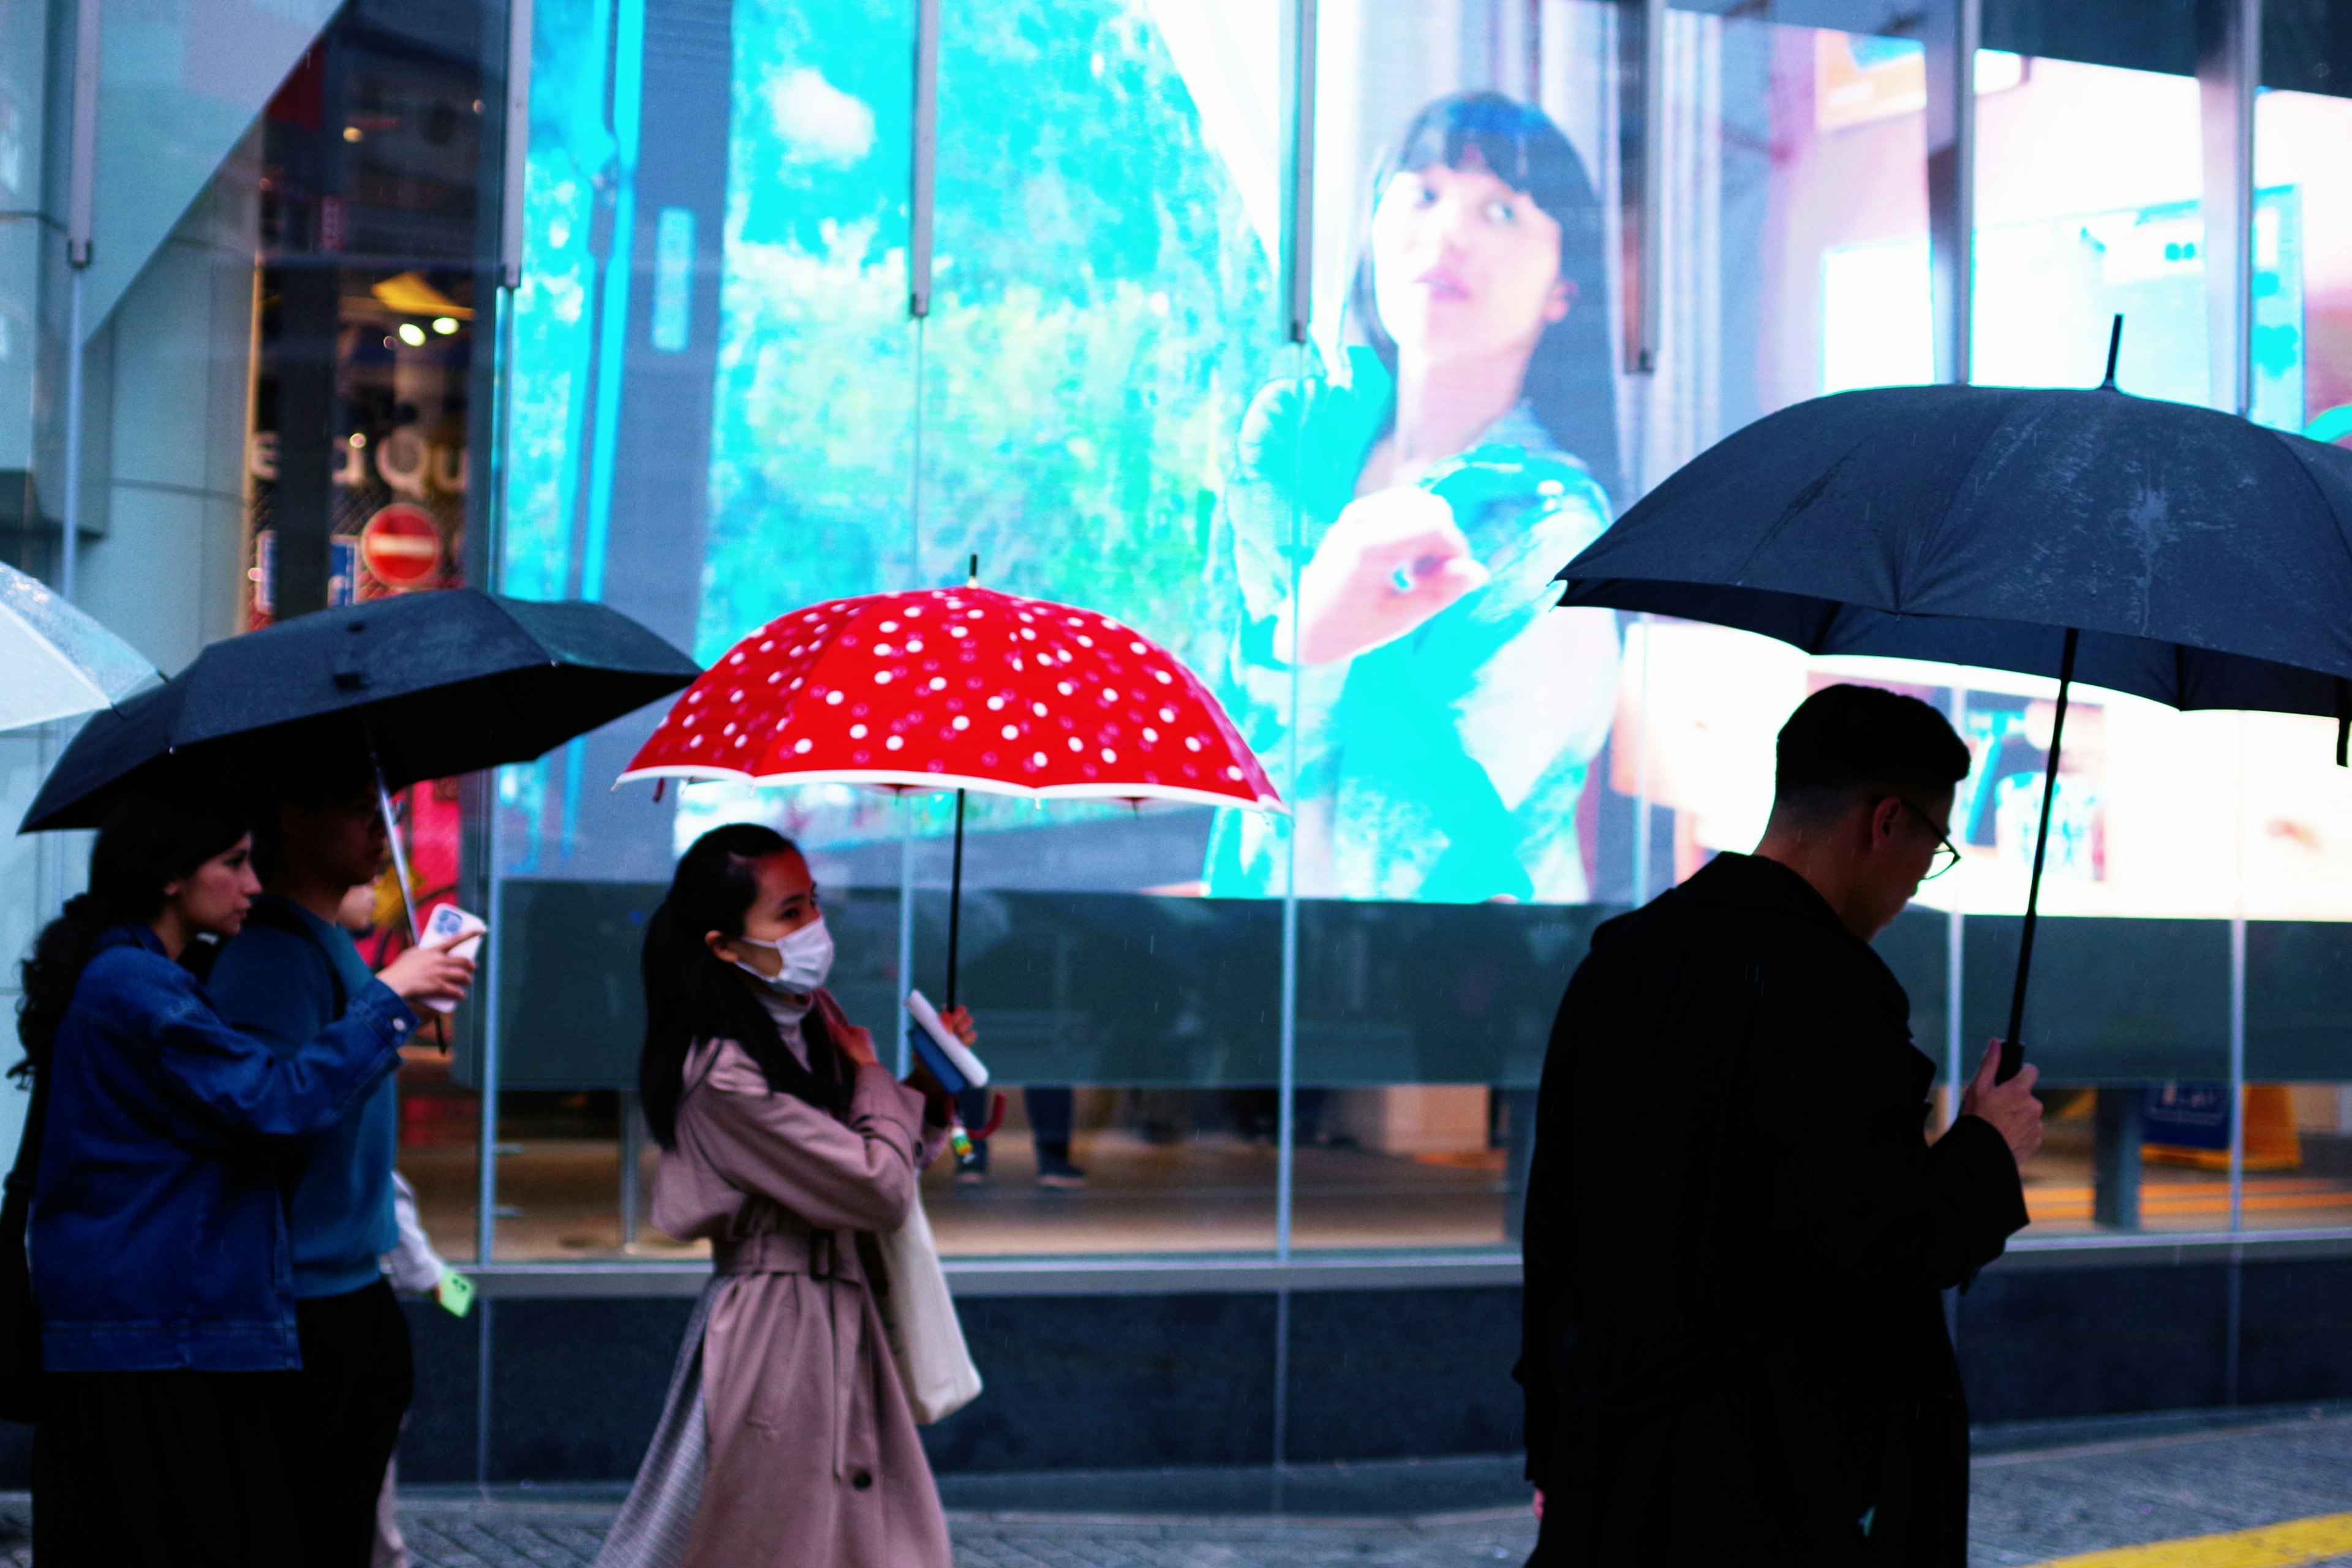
x=1436, y=481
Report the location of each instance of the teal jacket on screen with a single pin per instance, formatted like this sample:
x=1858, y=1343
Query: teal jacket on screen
x=1380, y=735
x=274, y=983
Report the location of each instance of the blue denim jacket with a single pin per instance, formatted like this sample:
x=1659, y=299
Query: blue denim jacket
x=159, y=1236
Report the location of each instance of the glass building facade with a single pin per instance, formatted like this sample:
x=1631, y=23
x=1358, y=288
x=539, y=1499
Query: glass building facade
x=1173, y=309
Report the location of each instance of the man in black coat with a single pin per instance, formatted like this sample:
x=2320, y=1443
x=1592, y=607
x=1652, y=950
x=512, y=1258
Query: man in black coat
x=1736, y=1227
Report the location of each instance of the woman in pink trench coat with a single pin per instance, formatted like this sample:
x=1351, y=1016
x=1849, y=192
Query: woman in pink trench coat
x=787, y=1439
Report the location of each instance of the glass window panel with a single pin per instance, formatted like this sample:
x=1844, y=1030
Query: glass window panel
x=2064, y=244
x=1451, y=729
x=674, y=322
x=2297, y=1133
x=1108, y=251
x=369, y=399
x=1081, y=375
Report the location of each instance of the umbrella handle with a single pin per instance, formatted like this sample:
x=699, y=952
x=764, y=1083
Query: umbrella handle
x=2012, y=1045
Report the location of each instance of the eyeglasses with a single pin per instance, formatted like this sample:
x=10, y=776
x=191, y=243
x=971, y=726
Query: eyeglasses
x=1947, y=854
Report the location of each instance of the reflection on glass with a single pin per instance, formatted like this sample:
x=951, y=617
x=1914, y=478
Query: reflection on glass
x=2296, y=820
x=371, y=176
x=1102, y=309
x=2065, y=243
x=1104, y=305
x=2300, y=242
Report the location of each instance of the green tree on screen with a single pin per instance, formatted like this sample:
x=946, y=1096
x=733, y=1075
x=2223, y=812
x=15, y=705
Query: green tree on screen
x=1102, y=315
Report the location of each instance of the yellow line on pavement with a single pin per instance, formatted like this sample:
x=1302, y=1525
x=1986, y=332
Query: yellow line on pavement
x=2298, y=1541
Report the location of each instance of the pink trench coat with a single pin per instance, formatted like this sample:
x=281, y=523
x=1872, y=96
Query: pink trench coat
x=787, y=1439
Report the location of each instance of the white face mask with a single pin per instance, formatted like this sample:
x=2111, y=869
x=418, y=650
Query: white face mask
x=807, y=955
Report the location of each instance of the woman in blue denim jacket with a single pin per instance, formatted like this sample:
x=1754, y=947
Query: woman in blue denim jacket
x=158, y=1240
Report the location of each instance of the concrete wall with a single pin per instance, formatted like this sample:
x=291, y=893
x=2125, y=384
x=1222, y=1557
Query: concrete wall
x=1151, y=1381
x=169, y=378
x=24, y=63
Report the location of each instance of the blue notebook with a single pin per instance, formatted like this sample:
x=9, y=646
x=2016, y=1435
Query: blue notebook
x=949, y=1059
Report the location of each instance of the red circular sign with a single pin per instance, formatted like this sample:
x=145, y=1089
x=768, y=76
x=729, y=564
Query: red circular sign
x=401, y=545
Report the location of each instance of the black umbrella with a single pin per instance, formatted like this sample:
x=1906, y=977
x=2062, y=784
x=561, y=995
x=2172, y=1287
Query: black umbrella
x=2153, y=548
x=429, y=684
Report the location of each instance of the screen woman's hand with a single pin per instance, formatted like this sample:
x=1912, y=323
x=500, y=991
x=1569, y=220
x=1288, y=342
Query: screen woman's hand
x=1388, y=562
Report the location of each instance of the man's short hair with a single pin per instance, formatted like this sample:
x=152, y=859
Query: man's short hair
x=305, y=777
x=1847, y=743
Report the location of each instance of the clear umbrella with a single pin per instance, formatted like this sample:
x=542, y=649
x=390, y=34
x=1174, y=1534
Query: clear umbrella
x=58, y=661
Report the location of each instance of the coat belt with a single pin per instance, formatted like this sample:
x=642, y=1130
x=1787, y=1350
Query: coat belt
x=817, y=1254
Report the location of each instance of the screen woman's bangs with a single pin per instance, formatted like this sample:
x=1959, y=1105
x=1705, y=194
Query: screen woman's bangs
x=1514, y=141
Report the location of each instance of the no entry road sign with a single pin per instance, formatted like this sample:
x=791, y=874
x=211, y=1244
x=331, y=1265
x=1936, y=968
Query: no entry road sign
x=401, y=545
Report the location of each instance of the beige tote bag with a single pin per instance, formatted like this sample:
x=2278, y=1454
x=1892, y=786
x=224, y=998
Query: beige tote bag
x=934, y=1365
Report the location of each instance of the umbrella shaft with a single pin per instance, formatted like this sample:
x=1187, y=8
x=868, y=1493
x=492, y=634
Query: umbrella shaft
x=2013, y=1048
x=391, y=835
x=955, y=899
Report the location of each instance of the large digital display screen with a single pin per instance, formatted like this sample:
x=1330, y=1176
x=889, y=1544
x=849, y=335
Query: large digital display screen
x=734, y=414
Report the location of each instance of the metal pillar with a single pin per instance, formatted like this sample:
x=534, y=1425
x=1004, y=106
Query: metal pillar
x=81, y=212
x=1643, y=179
x=633, y=1145
x=2114, y=1175
x=515, y=137
x=1298, y=257
x=2228, y=56
x=1954, y=29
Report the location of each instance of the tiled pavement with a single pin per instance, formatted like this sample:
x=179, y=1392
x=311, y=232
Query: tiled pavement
x=2029, y=1506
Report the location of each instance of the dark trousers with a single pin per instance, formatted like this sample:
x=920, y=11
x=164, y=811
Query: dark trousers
x=1051, y=1111
x=179, y=1468
x=344, y=1418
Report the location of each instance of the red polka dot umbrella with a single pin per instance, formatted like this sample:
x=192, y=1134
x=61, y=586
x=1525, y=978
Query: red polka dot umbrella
x=958, y=689
x=961, y=688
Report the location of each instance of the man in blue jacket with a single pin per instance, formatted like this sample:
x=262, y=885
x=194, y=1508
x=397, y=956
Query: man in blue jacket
x=289, y=974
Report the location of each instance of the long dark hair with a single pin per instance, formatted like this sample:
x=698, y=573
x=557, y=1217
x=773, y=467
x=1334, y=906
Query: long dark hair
x=1570, y=382
x=692, y=994
x=148, y=839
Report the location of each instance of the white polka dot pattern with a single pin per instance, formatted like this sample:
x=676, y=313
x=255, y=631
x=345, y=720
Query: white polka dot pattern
x=883, y=689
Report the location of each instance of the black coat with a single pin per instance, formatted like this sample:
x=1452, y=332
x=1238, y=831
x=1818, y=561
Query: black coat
x=1735, y=1350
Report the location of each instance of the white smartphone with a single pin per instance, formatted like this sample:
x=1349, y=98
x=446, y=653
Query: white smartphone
x=447, y=921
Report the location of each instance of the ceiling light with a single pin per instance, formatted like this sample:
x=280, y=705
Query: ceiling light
x=412, y=334
x=352, y=133
x=444, y=325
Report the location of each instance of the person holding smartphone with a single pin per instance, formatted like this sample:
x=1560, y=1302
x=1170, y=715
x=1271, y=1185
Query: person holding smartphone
x=290, y=973
x=158, y=1241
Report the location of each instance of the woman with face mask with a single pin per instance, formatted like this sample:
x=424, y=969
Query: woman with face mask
x=1386, y=540
x=788, y=1439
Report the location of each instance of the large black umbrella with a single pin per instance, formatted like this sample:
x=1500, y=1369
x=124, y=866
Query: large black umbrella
x=429, y=684
x=2153, y=548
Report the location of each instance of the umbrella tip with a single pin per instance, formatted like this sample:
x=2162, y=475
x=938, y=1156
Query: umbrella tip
x=973, y=579
x=2115, y=347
